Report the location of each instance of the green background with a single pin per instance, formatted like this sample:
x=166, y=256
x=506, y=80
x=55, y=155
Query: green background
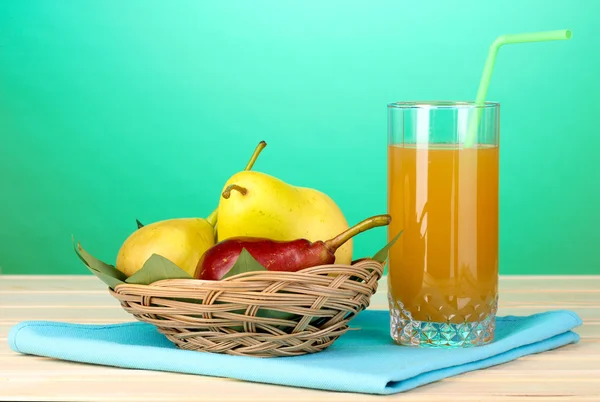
x=112, y=110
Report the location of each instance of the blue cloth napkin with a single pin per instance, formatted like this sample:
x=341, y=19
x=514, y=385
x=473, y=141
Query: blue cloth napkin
x=363, y=360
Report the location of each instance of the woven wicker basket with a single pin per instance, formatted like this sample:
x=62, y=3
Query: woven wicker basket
x=262, y=314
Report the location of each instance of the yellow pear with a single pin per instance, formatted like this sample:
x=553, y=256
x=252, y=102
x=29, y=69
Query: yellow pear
x=259, y=205
x=180, y=240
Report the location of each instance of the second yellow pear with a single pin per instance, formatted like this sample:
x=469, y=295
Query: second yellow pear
x=259, y=205
x=180, y=240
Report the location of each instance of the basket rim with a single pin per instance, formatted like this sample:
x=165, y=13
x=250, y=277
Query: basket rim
x=301, y=273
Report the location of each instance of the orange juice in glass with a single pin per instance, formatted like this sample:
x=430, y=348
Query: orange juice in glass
x=443, y=196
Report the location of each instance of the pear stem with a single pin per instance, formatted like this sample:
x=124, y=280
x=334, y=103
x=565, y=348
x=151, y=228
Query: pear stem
x=227, y=193
x=369, y=223
x=212, y=218
x=261, y=145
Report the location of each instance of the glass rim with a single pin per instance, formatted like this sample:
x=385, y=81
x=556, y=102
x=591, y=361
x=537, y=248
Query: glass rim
x=441, y=104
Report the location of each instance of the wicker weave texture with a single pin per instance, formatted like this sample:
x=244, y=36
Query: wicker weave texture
x=261, y=313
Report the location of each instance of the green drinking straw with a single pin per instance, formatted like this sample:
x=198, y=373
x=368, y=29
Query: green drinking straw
x=563, y=34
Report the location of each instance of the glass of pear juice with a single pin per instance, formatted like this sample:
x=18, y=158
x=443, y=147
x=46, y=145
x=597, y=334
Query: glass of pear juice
x=443, y=196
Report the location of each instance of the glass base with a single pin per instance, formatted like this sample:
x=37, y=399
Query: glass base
x=408, y=332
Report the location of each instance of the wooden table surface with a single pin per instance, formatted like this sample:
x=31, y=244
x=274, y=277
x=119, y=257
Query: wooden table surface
x=568, y=373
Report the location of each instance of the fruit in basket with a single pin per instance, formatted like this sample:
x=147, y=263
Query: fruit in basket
x=277, y=255
x=255, y=204
x=180, y=240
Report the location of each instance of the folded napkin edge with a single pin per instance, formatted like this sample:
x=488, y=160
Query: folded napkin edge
x=554, y=342
x=577, y=321
x=15, y=329
x=575, y=316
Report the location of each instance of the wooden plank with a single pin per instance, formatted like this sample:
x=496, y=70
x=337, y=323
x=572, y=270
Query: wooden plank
x=582, y=357
x=517, y=373
x=510, y=284
x=49, y=300
x=567, y=373
x=98, y=298
x=65, y=314
x=17, y=283
x=507, y=278
x=470, y=386
x=110, y=315
x=583, y=350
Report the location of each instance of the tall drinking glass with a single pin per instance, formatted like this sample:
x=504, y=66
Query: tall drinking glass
x=443, y=196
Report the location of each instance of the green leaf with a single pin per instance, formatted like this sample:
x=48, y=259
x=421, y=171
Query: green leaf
x=109, y=280
x=139, y=224
x=96, y=265
x=281, y=315
x=382, y=254
x=244, y=263
x=157, y=268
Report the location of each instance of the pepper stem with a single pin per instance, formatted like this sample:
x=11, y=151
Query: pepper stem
x=369, y=223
